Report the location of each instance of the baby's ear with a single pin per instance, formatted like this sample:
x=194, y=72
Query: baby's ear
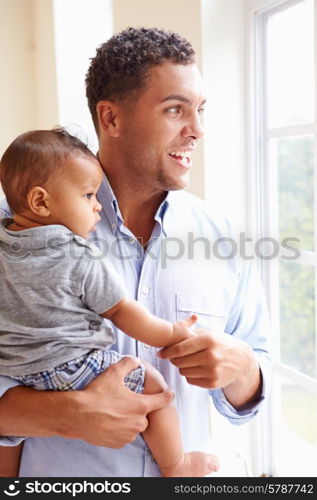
x=38, y=201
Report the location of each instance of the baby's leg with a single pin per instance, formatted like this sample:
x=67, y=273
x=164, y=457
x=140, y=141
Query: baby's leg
x=164, y=439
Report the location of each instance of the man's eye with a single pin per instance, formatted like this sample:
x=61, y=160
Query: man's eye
x=201, y=111
x=174, y=110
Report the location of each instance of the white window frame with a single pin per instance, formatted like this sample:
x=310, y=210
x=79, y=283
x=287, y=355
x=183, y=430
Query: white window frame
x=259, y=223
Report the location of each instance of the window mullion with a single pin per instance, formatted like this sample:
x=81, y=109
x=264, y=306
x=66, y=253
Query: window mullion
x=292, y=131
x=315, y=174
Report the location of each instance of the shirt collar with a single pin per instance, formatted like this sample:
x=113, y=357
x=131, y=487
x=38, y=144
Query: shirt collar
x=111, y=208
x=35, y=238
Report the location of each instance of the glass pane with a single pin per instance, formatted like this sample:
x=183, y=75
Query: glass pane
x=297, y=316
x=299, y=412
x=290, y=65
x=295, y=433
x=294, y=158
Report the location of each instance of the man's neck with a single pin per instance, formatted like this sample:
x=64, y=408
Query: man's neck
x=137, y=206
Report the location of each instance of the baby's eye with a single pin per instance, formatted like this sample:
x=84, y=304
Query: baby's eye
x=201, y=111
x=89, y=196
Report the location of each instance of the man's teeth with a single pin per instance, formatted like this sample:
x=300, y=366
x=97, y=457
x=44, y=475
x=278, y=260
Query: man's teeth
x=182, y=154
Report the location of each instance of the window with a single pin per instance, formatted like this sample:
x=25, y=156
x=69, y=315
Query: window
x=283, y=184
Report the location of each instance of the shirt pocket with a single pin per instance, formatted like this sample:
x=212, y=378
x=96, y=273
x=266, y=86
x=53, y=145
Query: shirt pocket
x=212, y=314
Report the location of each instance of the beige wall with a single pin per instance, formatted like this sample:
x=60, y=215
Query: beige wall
x=183, y=16
x=17, y=67
x=27, y=67
x=28, y=80
x=45, y=64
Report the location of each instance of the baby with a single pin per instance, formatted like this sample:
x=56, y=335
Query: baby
x=56, y=290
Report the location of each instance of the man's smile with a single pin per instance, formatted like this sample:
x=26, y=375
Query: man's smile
x=182, y=157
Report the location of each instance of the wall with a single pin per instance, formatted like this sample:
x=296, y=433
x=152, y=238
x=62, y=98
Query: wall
x=223, y=66
x=44, y=58
x=45, y=65
x=17, y=65
x=75, y=44
x=28, y=78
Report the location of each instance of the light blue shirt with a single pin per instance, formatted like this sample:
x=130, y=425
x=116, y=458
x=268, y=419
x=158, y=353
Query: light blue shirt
x=182, y=271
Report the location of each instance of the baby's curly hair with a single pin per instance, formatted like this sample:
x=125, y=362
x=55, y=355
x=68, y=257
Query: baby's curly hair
x=120, y=67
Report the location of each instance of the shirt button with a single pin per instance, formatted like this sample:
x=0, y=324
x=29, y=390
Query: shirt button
x=113, y=225
x=132, y=241
x=145, y=290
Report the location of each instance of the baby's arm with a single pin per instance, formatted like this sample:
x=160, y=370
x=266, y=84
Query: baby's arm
x=137, y=322
x=10, y=460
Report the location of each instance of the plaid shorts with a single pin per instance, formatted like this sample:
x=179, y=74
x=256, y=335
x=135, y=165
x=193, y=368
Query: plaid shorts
x=77, y=373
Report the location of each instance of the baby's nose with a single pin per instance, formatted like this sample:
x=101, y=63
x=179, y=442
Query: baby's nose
x=98, y=207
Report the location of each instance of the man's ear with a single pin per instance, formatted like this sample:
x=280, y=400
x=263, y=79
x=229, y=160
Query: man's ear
x=38, y=201
x=108, y=118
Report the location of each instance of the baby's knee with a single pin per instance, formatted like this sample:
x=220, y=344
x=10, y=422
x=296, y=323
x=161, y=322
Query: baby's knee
x=154, y=380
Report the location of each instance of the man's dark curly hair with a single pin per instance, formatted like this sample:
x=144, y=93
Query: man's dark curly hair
x=120, y=67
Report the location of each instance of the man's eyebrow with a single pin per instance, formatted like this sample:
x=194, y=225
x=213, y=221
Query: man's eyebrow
x=178, y=97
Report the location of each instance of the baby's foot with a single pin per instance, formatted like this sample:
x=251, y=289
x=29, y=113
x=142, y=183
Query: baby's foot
x=194, y=464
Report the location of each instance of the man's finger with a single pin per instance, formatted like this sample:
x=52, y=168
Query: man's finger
x=196, y=359
x=195, y=371
x=121, y=369
x=153, y=402
x=185, y=347
x=201, y=382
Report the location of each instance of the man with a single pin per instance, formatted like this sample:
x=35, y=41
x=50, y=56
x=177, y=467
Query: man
x=145, y=95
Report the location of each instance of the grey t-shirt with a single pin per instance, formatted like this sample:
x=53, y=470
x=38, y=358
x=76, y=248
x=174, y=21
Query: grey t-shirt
x=53, y=286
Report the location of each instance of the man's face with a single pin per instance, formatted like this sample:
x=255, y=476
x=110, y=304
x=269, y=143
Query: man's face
x=161, y=130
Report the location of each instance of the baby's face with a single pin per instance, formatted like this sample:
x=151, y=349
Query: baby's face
x=72, y=194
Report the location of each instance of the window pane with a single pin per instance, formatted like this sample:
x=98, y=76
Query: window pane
x=297, y=316
x=296, y=432
x=299, y=412
x=290, y=65
x=294, y=158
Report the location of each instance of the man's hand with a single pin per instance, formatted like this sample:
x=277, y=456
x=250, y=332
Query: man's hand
x=217, y=360
x=111, y=414
x=105, y=413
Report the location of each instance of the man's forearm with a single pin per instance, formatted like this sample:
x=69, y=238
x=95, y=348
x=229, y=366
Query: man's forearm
x=28, y=412
x=105, y=413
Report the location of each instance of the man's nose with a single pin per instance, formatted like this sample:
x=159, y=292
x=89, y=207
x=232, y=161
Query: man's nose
x=194, y=128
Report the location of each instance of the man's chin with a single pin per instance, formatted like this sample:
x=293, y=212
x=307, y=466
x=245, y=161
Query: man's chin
x=177, y=184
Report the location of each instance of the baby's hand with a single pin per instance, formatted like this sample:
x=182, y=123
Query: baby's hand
x=181, y=329
x=188, y=322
